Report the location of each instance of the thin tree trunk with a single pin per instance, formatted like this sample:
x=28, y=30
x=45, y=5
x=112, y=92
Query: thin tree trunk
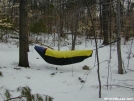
x=74, y=36
x=98, y=69
x=100, y=17
x=120, y=70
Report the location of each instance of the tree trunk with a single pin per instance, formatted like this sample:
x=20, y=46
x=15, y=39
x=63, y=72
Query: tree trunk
x=74, y=40
x=97, y=55
x=23, y=37
x=100, y=17
x=61, y=18
x=72, y=32
x=105, y=12
x=120, y=70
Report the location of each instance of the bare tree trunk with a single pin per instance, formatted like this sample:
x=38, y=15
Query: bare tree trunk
x=23, y=31
x=97, y=55
x=120, y=70
x=100, y=17
x=105, y=12
x=72, y=32
x=127, y=35
x=61, y=18
x=74, y=36
x=75, y=33
x=74, y=40
x=110, y=29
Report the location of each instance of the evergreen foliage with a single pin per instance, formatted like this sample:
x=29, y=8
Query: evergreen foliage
x=26, y=95
x=7, y=94
x=5, y=22
x=38, y=27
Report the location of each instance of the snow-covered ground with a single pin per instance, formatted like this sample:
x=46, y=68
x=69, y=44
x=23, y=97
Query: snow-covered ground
x=65, y=84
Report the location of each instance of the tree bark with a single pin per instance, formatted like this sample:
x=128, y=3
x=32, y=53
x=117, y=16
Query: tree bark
x=120, y=70
x=105, y=12
x=23, y=37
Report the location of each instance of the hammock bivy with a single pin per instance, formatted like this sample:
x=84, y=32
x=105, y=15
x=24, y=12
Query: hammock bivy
x=66, y=57
x=56, y=57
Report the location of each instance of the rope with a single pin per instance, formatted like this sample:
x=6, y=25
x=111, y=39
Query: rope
x=117, y=39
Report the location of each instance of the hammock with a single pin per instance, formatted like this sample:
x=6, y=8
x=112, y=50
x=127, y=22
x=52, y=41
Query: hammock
x=63, y=57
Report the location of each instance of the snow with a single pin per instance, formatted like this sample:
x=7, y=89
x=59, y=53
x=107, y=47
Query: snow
x=65, y=84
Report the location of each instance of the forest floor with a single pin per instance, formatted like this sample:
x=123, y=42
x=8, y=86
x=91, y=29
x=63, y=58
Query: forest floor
x=64, y=84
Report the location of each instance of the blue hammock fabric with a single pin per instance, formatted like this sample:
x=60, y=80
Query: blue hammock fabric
x=56, y=57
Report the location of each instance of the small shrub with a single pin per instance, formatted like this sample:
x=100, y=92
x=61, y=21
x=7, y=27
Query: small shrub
x=27, y=96
x=7, y=94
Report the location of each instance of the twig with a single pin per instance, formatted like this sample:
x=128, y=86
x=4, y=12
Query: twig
x=72, y=70
x=125, y=80
x=20, y=97
x=120, y=86
x=124, y=66
x=130, y=70
x=89, y=71
x=15, y=98
x=108, y=71
x=30, y=39
x=111, y=74
x=93, y=67
x=130, y=51
x=2, y=97
x=84, y=82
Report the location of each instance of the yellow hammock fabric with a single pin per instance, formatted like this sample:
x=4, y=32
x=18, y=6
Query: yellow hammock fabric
x=68, y=54
x=63, y=57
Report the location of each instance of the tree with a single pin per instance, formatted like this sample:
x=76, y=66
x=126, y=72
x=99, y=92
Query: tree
x=97, y=55
x=120, y=70
x=23, y=34
x=105, y=12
